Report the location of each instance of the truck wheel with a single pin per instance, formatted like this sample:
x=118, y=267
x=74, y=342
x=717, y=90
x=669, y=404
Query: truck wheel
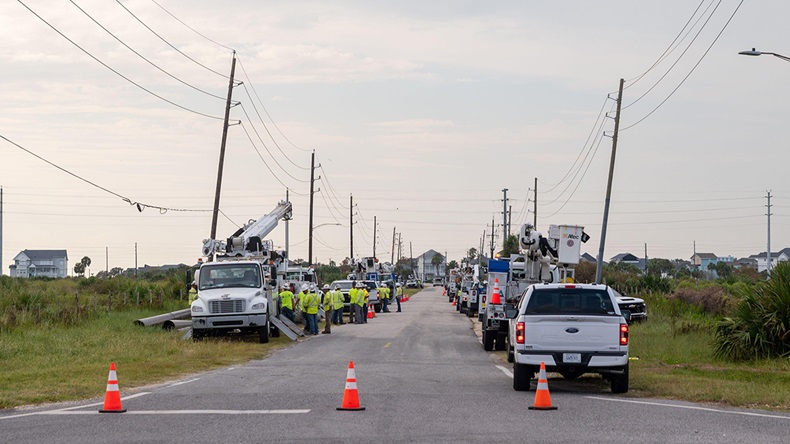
x=264, y=334
x=197, y=335
x=500, y=342
x=522, y=374
x=275, y=332
x=488, y=340
x=620, y=382
x=510, y=355
x=377, y=308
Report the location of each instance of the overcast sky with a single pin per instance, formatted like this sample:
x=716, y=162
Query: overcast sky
x=424, y=111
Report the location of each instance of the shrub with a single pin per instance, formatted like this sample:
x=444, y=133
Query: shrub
x=760, y=323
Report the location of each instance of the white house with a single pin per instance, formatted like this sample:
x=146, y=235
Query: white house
x=427, y=270
x=776, y=257
x=40, y=263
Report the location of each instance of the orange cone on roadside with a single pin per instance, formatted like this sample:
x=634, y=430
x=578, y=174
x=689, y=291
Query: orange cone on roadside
x=405, y=297
x=542, y=397
x=112, y=398
x=495, y=299
x=351, y=395
x=371, y=312
x=455, y=301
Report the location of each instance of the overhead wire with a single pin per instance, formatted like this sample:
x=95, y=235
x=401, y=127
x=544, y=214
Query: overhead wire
x=690, y=72
x=115, y=71
x=255, y=147
x=678, y=59
x=267, y=148
x=142, y=56
x=170, y=44
x=189, y=27
x=669, y=49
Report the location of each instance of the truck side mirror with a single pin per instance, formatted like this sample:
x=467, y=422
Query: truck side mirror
x=627, y=315
x=511, y=313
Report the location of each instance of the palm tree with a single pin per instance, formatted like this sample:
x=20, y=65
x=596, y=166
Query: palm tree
x=437, y=260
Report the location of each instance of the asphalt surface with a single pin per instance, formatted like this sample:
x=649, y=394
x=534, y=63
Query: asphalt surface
x=422, y=376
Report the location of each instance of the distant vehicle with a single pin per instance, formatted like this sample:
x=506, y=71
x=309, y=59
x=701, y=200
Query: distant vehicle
x=438, y=282
x=373, y=294
x=635, y=306
x=412, y=284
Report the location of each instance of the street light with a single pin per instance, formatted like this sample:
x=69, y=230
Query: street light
x=755, y=52
x=328, y=223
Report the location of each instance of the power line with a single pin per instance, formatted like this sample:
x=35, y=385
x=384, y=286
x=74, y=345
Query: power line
x=267, y=148
x=190, y=28
x=264, y=161
x=116, y=72
x=690, y=72
x=169, y=44
x=580, y=180
x=143, y=57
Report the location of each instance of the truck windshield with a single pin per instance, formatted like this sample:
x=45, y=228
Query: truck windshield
x=230, y=275
x=577, y=301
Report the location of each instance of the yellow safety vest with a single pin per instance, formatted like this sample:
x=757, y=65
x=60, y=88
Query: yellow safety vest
x=287, y=299
x=352, y=295
x=329, y=301
x=192, y=295
x=362, y=297
x=338, y=299
x=310, y=303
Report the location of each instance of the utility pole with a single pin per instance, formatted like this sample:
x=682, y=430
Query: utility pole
x=312, y=193
x=599, y=265
x=509, y=219
x=504, y=217
x=645, y=257
x=392, y=256
x=492, y=237
x=135, y=260
x=768, y=251
x=287, y=199
x=535, y=205
x=351, y=226
x=374, y=236
x=107, y=260
x=411, y=260
x=221, y=157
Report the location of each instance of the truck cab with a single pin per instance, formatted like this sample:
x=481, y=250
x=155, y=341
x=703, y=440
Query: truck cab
x=573, y=329
x=234, y=297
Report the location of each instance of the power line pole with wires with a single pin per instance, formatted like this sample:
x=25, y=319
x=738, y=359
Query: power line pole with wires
x=374, y=236
x=351, y=227
x=504, y=217
x=535, y=207
x=225, y=125
x=599, y=265
x=312, y=193
x=768, y=251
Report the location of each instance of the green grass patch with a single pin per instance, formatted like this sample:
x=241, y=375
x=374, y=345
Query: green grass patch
x=675, y=348
x=60, y=363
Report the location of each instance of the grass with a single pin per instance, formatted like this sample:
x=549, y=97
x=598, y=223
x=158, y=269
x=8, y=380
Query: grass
x=675, y=348
x=61, y=363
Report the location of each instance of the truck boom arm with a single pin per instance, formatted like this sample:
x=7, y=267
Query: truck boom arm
x=250, y=236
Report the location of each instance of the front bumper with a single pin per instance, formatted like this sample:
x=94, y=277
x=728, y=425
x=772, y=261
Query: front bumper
x=228, y=322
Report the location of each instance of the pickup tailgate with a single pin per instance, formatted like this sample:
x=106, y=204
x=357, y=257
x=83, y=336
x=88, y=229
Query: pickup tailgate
x=571, y=333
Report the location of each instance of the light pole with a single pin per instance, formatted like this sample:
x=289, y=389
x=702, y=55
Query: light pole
x=755, y=52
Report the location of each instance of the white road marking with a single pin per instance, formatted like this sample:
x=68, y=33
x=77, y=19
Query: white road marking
x=506, y=371
x=182, y=382
x=691, y=407
x=185, y=412
x=67, y=409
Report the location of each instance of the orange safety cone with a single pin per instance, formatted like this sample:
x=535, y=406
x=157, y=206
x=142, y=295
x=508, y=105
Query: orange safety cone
x=455, y=301
x=351, y=395
x=371, y=312
x=405, y=296
x=495, y=299
x=542, y=397
x=112, y=398
x=444, y=293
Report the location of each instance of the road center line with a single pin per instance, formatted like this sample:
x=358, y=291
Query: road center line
x=690, y=407
x=506, y=371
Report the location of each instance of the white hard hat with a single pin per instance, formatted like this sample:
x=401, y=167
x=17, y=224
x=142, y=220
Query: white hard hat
x=325, y=287
x=305, y=287
x=285, y=286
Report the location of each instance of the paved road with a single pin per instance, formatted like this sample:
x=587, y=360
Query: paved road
x=423, y=377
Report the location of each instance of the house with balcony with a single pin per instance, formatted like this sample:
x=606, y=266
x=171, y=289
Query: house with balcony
x=40, y=263
x=427, y=270
x=776, y=257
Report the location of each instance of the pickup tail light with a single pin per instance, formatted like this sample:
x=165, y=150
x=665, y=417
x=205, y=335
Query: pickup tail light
x=520, y=333
x=623, y=334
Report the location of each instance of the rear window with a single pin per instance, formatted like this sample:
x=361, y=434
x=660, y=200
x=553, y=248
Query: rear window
x=577, y=301
x=344, y=285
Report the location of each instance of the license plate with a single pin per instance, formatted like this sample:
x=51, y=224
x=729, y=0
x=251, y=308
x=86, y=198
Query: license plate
x=572, y=358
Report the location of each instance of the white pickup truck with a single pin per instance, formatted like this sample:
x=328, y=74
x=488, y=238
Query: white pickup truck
x=572, y=328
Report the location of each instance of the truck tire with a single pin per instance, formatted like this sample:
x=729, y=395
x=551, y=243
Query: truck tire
x=275, y=332
x=470, y=313
x=488, y=340
x=377, y=308
x=197, y=335
x=510, y=355
x=522, y=374
x=620, y=382
x=500, y=342
x=263, y=334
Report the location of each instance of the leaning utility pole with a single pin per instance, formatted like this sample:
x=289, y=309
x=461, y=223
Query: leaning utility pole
x=768, y=251
x=222, y=156
x=392, y=256
x=504, y=218
x=599, y=265
x=374, y=236
x=312, y=186
x=492, y=237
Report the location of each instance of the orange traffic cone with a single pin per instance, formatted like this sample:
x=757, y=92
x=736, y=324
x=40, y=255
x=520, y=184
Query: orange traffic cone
x=112, y=398
x=371, y=312
x=455, y=301
x=444, y=293
x=351, y=395
x=542, y=397
x=495, y=299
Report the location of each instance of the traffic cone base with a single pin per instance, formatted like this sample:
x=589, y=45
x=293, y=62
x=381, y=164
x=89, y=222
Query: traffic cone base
x=351, y=394
x=542, y=397
x=112, y=397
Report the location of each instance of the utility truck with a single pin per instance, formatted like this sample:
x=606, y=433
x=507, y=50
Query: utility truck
x=235, y=285
x=541, y=259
